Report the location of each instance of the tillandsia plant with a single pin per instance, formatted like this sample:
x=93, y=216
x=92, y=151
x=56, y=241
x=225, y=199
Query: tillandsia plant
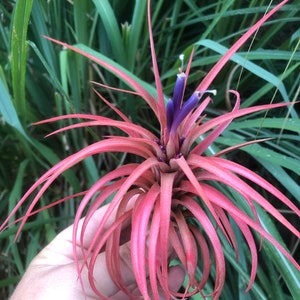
x=167, y=199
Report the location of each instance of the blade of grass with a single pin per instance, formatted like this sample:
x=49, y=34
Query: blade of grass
x=8, y=111
x=273, y=288
x=290, y=124
x=219, y=15
x=111, y=26
x=15, y=194
x=21, y=16
x=261, y=92
x=39, y=29
x=50, y=70
x=81, y=25
x=96, y=54
x=250, y=66
x=136, y=26
x=82, y=36
x=267, y=154
x=289, y=272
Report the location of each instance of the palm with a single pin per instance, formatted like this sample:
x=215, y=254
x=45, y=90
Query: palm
x=53, y=272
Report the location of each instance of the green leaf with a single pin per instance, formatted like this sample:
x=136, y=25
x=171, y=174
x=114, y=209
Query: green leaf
x=272, y=156
x=250, y=66
x=287, y=270
x=39, y=28
x=12, y=201
x=112, y=29
x=8, y=112
x=136, y=26
x=22, y=12
x=282, y=176
x=289, y=124
x=96, y=54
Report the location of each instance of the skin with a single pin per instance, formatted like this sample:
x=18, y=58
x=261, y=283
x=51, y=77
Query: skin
x=52, y=273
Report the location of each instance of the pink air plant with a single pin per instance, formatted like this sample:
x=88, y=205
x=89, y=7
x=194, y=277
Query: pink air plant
x=167, y=199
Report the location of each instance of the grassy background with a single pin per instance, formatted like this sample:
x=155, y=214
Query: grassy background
x=39, y=79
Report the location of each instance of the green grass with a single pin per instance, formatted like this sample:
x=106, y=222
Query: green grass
x=39, y=79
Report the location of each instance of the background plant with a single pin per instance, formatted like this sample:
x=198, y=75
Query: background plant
x=39, y=80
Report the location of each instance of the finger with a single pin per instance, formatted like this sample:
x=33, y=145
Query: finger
x=60, y=250
x=93, y=224
x=104, y=283
x=64, y=277
x=107, y=287
x=175, y=279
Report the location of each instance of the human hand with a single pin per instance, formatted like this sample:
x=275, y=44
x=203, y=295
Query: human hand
x=53, y=275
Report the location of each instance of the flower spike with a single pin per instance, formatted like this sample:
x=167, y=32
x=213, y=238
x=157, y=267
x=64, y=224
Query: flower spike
x=178, y=92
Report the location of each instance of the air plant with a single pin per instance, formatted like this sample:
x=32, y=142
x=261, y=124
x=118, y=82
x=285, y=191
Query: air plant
x=167, y=199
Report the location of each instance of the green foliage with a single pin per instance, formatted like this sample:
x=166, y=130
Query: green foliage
x=39, y=79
